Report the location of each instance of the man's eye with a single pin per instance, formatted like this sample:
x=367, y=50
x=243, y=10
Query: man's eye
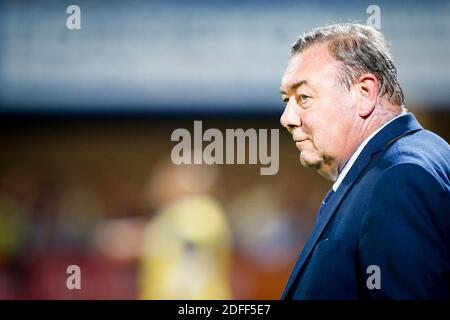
x=304, y=98
x=286, y=100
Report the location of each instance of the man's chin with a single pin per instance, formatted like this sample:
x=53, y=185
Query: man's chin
x=319, y=165
x=310, y=162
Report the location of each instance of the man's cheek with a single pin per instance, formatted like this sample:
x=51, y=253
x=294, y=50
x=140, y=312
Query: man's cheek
x=307, y=120
x=322, y=143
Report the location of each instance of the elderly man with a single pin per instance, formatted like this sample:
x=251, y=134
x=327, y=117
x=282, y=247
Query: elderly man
x=383, y=229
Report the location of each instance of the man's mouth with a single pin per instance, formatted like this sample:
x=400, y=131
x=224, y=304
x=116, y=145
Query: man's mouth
x=299, y=143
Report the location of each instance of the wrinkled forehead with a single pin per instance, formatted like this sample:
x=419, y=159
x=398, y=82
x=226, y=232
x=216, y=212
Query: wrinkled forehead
x=310, y=64
x=293, y=67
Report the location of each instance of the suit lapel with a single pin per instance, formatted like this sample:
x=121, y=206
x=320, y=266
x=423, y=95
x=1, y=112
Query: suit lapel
x=398, y=128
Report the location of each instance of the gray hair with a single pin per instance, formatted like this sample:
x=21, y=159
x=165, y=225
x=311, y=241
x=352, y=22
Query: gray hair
x=358, y=49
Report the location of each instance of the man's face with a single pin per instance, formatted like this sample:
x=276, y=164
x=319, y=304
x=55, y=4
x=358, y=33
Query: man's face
x=319, y=113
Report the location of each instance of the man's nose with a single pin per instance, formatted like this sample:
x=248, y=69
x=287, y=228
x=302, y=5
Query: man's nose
x=290, y=117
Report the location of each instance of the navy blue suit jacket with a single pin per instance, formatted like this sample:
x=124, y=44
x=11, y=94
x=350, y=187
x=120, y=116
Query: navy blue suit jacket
x=392, y=210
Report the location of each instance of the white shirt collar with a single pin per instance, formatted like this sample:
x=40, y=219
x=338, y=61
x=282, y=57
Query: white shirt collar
x=355, y=155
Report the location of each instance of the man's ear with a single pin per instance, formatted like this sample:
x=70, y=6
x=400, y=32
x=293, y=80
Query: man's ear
x=366, y=94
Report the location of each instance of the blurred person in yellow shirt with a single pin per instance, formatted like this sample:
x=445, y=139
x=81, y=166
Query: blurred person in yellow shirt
x=187, y=245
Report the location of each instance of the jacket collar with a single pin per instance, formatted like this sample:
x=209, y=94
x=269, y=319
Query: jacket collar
x=395, y=130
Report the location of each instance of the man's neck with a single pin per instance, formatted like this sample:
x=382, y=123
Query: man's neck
x=368, y=127
x=352, y=158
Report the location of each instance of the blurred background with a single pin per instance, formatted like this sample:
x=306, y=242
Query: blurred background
x=86, y=118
